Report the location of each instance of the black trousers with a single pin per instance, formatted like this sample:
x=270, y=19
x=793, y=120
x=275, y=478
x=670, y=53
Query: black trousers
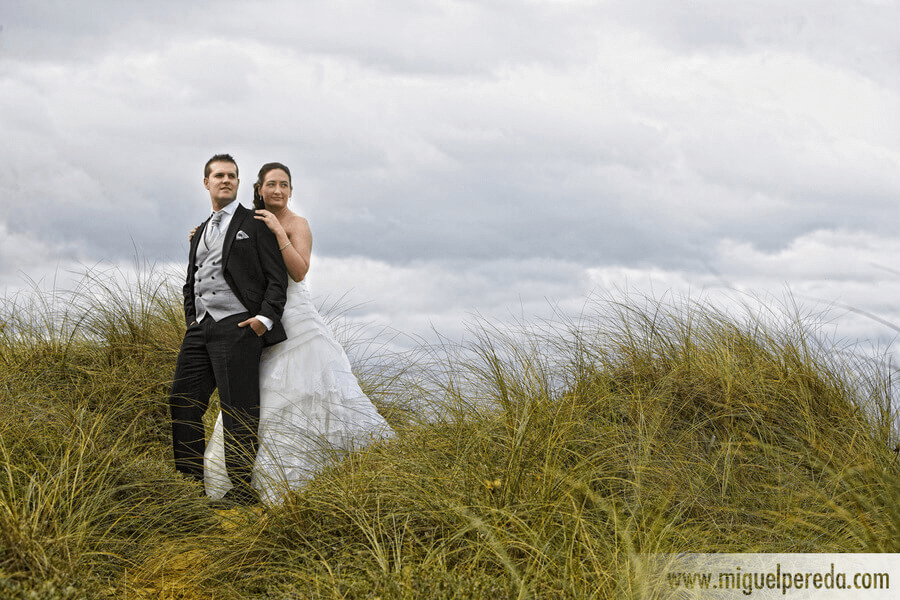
x=224, y=356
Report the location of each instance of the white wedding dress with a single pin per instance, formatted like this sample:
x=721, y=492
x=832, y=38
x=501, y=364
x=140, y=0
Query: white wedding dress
x=312, y=410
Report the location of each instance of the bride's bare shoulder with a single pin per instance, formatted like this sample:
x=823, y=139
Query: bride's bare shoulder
x=295, y=225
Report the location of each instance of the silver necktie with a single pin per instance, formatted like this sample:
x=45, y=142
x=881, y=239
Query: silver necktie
x=212, y=230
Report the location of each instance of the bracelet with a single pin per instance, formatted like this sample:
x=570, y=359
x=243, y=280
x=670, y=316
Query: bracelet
x=285, y=246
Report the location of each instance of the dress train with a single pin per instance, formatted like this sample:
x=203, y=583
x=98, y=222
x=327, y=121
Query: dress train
x=312, y=410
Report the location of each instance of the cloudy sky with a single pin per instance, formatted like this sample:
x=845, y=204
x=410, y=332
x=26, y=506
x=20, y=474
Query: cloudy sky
x=493, y=157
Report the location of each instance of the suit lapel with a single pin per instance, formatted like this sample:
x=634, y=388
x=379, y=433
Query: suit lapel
x=196, y=240
x=237, y=220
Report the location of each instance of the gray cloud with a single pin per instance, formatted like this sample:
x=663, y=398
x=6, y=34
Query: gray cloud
x=541, y=140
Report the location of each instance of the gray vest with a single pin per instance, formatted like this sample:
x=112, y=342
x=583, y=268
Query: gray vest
x=211, y=292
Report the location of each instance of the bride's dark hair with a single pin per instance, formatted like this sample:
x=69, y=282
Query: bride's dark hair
x=263, y=171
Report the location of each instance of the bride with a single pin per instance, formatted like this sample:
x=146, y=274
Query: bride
x=311, y=406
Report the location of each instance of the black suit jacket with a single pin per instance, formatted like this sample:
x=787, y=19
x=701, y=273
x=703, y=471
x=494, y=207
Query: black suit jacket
x=254, y=270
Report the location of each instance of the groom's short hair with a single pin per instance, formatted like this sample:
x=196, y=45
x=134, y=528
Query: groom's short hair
x=219, y=158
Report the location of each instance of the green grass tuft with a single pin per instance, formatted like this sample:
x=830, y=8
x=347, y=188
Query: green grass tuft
x=533, y=462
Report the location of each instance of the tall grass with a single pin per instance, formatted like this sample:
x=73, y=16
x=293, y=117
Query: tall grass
x=545, y=460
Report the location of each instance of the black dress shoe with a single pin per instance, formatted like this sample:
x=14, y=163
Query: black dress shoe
x=235, y=497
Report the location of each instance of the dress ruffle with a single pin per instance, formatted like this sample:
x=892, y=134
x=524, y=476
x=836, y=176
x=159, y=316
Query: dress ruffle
x=312, y=409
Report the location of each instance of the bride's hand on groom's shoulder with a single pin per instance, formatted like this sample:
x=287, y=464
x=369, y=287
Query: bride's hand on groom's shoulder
x=191, y=234
x=270, y=220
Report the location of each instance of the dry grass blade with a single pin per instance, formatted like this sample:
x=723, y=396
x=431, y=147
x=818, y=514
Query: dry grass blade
x=542, y=460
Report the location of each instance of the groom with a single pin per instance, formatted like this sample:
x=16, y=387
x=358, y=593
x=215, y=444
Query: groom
x=233, y=299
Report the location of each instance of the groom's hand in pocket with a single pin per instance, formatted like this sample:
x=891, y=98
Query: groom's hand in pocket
x=255, y=324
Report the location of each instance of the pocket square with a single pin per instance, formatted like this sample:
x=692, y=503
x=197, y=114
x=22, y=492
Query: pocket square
x=241, y=236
